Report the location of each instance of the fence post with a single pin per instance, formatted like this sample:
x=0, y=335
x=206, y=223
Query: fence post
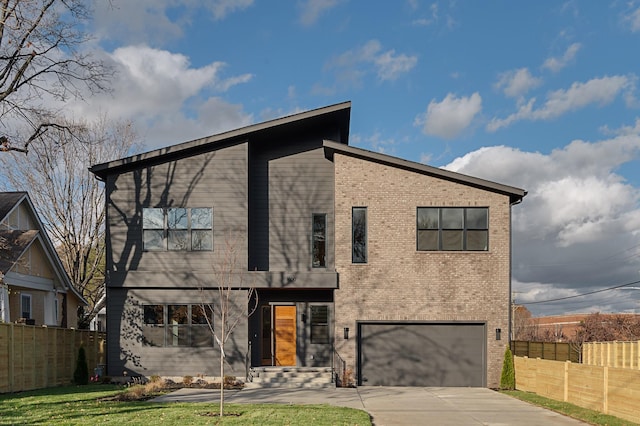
x=566, y=380
x=605, y=388
x=11, y=357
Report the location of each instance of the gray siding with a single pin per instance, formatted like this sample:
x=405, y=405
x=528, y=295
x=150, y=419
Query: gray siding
x=126, y=351
x=215, y=179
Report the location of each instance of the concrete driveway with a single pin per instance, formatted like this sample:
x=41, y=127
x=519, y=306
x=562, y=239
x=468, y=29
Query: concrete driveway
x=399, y=405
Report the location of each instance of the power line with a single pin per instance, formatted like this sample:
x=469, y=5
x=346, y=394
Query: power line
x=580, y=295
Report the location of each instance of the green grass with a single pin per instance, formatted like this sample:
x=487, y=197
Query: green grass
x=82, y=405
x=571, y=410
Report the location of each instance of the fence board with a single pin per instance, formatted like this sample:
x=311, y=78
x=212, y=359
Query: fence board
x=613, y=354
x=556, y=351
x=614, y=391
x=39, y=357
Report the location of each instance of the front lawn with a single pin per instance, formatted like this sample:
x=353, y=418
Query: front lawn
x=91, y=404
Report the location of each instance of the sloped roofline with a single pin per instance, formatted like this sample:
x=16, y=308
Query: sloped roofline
x=515, y=194
x=342, y=109
x=50, y=250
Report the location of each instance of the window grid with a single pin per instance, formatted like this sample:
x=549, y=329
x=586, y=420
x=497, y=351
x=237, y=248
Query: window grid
x=177, y=325
x=178, y=229
x=452, y=229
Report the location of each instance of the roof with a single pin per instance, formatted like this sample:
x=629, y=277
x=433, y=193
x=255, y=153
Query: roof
x=8, y=201
x=515, y=194
x=13, y=244
x=18, y=241
x=338, y=114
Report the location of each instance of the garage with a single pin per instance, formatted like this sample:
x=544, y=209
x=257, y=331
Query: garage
x=422, y=354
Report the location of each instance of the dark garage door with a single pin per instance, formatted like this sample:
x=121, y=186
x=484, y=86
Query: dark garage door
x=421, y=354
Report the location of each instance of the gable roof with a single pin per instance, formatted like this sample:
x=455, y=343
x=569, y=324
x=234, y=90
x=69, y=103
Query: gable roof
x=338, y=114
x=515, y=194
x=18, y=241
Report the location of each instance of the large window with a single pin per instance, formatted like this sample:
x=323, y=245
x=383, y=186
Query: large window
x=319, y=324
x=359, y=235
x=453, y=228
x=177, y=325
x=319, y=249
x=178, y=228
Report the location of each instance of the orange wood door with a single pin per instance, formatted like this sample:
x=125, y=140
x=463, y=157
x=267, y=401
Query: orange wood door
x=285, y=335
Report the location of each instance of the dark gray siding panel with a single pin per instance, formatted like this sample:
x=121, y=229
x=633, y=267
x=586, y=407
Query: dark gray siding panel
x=289, y=181
x=125, y=337
x=217, y=179
x=422, y=354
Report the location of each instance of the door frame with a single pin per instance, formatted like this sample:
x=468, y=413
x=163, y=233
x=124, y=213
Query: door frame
x=272, y=331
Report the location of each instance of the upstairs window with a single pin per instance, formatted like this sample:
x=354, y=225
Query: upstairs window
x=319, y=242
x=25, y=305
x=178, y=228
x=453, y=228
x=359, y=235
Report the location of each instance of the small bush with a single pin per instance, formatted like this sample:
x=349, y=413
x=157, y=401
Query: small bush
x=187, y=380
x=229, y=381
x=81, y=373
x=508, y=378
x=155, y=378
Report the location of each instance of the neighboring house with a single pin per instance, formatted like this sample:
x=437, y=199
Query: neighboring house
x=34, y=287
x=400, y=269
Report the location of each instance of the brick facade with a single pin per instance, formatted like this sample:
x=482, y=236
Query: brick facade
x=400, y=283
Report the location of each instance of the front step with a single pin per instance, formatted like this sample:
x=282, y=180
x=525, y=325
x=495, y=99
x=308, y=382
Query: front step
x=291, y=377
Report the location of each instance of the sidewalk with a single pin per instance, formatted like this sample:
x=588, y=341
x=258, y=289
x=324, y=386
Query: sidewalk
x=398, y=405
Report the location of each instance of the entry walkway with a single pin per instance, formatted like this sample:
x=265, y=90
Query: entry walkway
x=399, y=405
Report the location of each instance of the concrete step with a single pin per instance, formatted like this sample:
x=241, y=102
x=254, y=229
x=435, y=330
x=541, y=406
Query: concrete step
x=291, y=377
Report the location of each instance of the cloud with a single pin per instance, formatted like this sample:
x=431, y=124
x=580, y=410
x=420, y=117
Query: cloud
x=351, y=66
x=449, y=118
x=600, y=91
x=167, y=98
x=556, y=64
x=633, y=20
x=516, y=83
x=578, y=227
x=311, y=10
x=155, y=22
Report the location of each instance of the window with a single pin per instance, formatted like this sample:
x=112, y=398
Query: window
x=177, y=325
x=25, y=305
x=453, y=228
x=319, y=324
x=359, y=235
x=178, y=228
x=319, y=240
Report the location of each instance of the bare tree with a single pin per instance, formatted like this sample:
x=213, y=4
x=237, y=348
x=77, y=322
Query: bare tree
x=41, y=61
x=237, y=300
x=68, y=197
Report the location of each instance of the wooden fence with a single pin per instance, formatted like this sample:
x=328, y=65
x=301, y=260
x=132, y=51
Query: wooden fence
x=39, y=357
x=546, y=350
x=612, y=354
x=614, y=391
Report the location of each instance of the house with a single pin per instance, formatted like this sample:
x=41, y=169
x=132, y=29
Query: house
x=396, y=271
x=34, y=287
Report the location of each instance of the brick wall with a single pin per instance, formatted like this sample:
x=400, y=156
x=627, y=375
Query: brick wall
x=401, y=283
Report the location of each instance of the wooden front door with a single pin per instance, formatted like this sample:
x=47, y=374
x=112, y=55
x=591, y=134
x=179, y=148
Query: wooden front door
x=285, y=335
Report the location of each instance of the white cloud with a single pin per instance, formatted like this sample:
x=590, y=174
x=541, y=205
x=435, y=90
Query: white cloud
x=556, y=64
x=155, y=22
x=600, y=91
x=168, y=99
x=451, y=116
x=579, y=219
x=311, y=10
x=351, y=65
x=516, y=83
x=633, y=20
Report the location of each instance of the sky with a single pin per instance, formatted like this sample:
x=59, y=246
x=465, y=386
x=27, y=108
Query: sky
x=538, y=95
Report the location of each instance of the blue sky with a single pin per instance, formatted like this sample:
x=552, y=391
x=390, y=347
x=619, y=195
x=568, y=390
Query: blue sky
x=540, y=95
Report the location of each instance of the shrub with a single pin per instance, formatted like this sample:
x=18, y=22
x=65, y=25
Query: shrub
x=81, y=373
x=229, y=381
x=508, y=378
x=187, y=380
x=155, y=378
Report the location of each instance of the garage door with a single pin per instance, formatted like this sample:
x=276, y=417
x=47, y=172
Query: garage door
x=422, y=354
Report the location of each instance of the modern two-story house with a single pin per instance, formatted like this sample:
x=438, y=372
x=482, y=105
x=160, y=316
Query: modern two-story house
x=396, y=270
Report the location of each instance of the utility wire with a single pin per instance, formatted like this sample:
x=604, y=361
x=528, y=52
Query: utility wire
x=580, y=295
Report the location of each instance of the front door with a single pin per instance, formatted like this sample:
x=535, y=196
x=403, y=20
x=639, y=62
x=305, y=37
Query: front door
x=279, y=335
